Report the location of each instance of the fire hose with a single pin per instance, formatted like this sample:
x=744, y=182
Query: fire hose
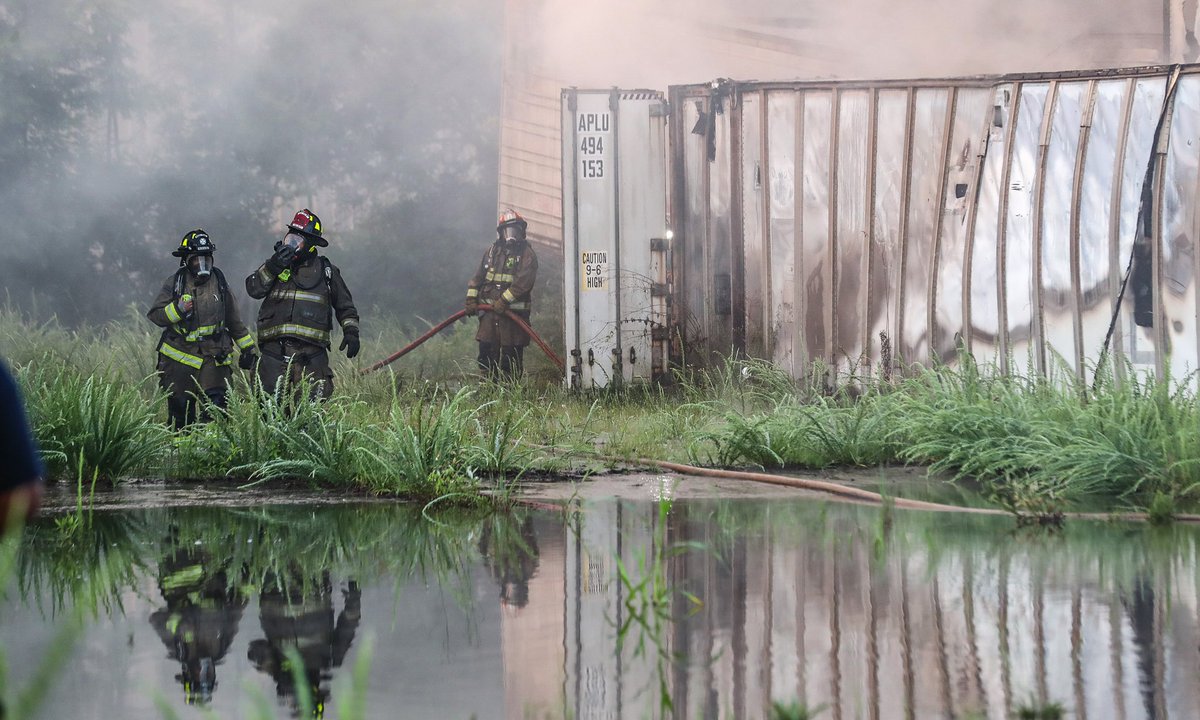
x=454, y=318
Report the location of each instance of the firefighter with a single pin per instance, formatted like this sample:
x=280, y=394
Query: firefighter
x=201, y=325
x=301, y=291
x=504, y=280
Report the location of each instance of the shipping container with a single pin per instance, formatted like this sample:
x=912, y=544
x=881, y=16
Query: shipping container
x=867, y=227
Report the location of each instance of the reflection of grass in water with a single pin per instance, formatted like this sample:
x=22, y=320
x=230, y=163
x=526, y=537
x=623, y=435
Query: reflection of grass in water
x=83, y=568
x=794, y=711
x=1113, y=556
x=1036, y=711
x=649, y=605
x=20, y=703
x=95, y=562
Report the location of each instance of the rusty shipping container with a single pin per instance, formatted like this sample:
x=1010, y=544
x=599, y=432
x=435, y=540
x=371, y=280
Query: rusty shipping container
x=873, y=225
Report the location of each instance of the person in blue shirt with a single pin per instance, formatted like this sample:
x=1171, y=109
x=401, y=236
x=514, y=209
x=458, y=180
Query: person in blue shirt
x=21, y=469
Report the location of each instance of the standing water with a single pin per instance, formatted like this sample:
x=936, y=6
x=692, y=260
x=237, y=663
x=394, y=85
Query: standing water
x=617, y=609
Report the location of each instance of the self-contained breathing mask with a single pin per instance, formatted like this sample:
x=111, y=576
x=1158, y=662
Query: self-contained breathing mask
x=201, y=267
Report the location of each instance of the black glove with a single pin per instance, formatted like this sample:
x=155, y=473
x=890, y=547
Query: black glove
x=349, y=342
x=247, y=359
x=471, y=306
x=281, y=260
x=500, y=305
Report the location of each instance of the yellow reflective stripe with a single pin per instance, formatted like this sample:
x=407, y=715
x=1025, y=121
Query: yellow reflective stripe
x=301, y=331
x=221, y=363
x=499, y=277
x=184, y=577
x=172, y=313
x=264, y=274
x=245, y=342
x=202, y=332
x=518, y=305
x=508, y=296
x=472, y=292
x=180, y=356
x=349, y=322
x=285, y=294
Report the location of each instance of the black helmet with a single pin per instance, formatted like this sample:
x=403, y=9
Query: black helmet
x=196, y=242
x=309, y=225
x=511, y=219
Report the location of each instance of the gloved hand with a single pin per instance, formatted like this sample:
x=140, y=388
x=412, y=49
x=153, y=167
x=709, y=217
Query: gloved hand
x=500, y=306
x=280, y=261
x=185, y=304
x=247, y=359
x=471, y=306
x=349, y=342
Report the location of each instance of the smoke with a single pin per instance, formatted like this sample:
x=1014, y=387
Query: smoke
x=628, y=43
x=127, y=124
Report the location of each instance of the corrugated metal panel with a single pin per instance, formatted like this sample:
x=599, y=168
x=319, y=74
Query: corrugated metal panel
x=996, y=215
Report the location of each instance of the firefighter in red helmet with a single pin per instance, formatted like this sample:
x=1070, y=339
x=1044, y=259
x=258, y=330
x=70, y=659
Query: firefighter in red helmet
x=201, y=325
x=504, y=280
x=301, y=293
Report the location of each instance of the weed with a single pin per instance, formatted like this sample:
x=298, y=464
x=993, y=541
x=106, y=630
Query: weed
x=1034, y=711
x=794, y=711
x=1162, y=509
x=104, y=423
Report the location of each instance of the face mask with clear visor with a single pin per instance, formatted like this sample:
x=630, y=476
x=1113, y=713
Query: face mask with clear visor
x=511, y=233
x=295, y=241
x=201, y=266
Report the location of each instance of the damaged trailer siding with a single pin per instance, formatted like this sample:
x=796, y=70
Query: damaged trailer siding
x=872, y=226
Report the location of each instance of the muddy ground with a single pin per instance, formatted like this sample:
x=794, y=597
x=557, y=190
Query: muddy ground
x=61, y=497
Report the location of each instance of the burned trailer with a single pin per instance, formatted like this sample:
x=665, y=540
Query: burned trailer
x=872, y=226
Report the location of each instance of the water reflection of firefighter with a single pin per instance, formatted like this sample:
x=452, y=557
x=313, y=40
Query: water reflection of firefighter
x=511, y=551
x=296, y=613
x=200, y=620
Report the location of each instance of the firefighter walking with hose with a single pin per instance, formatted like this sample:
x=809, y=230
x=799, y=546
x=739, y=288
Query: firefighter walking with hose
x=504, y=280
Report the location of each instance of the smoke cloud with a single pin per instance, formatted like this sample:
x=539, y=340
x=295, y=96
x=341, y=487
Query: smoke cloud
x=634, y=44
x=125, y=125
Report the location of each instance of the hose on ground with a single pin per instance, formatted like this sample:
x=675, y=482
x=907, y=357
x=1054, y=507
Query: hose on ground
x=520, y=321
x=845, y=493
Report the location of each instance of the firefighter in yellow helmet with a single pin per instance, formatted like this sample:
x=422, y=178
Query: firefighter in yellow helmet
x=201, y=325
x=301, y=292
x=504, y=279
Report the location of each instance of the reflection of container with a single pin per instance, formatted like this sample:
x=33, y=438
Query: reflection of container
x=615, y=235
x=989, y=214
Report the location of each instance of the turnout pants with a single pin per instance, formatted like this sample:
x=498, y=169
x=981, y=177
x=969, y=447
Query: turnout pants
x=186, y=384
x=286, y=363
x=501, y=362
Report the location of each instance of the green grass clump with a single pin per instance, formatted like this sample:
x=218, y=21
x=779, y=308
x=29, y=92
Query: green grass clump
x=1033, y=711
x=264, y=436
x=105, y=425
x=794, y=711
x=425, y=450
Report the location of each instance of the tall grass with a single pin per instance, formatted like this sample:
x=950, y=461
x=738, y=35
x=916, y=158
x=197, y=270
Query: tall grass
x=425, y=450
x=428, y=426
x=266, y=436
x=105, y=425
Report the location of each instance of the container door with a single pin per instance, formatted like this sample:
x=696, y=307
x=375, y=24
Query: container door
x=614, y=228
